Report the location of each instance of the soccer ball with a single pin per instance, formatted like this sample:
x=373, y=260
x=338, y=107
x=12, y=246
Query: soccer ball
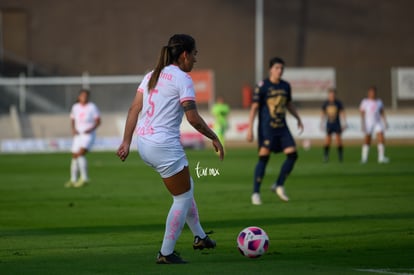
x=252, y=242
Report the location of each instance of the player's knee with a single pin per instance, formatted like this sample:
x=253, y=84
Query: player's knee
x=263, y=159
x=292, y=156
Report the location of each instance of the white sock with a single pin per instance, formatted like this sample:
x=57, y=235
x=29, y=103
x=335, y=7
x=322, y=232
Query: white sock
x=365, y=151
x=74, y=169
x=192, y=219
x=381, y=151
x=175, y=221
x=83, y=167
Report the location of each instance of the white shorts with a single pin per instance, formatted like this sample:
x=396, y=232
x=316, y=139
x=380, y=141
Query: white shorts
x=167, y=161
x=374, y=127
x=84, y=141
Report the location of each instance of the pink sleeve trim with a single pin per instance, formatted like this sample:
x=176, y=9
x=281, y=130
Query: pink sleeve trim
x=140, y=90
x=187, y=98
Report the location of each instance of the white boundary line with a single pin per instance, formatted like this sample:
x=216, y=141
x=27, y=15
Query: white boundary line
x=386, y=271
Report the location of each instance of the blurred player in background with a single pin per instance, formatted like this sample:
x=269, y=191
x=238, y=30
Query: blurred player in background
x=220, y=111
x=272, y=97
x=85, y=118
x=373, y=120
x=162, y=98
x=332, y=113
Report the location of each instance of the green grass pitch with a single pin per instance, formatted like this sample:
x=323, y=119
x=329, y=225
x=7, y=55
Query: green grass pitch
x=342, y=218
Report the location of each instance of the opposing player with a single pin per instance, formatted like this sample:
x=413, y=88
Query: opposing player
x=332, y=113
x=373, y=120
x=85, y=118
x=164, y=95
x=272, y=97
x=221, y=112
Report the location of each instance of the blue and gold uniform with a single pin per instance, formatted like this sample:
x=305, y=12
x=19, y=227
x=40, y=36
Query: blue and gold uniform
x=332, y=110
x=273, y=132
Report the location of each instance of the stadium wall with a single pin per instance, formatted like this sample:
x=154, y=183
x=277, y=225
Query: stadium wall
x=52, y=132
x=362, y=40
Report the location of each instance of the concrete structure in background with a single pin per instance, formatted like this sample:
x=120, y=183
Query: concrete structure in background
x=362, y=40
x=51, y=133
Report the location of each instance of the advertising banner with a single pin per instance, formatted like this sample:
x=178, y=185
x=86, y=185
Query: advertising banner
x=310, y=83
x=203, y=85
x=403, y=82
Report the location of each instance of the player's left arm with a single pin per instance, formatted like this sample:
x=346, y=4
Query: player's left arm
x=97, y=122
x=292, y=110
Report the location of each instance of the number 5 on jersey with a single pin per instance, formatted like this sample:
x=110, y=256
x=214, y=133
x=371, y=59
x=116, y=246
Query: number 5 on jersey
x=150, y=111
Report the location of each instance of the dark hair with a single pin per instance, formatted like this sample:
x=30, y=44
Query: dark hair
x=177, y=44
x=275, y=60
x=81, y=91
x=332, y=90
x=373, y=87
x=88, y=93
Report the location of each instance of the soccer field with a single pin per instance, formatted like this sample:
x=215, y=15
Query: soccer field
x=342, y=218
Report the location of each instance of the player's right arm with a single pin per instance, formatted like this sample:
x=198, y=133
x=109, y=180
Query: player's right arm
x=72, y=124
x=362, y=111
x=252, y=115
x=72, y=121
x=194, y=118
x=131, y=123
x=363, y=121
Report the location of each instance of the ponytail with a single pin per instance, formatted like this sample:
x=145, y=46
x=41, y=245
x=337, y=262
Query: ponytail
x=177, y=44
x=163, y=61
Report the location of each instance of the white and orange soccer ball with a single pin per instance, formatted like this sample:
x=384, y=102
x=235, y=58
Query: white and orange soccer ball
x=252, y=242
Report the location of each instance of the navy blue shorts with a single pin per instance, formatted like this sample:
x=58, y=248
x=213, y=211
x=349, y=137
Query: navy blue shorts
x=277, y=142
x=333, y=128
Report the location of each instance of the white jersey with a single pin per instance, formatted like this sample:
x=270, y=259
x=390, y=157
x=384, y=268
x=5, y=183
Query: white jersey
x=84, y=116
x=372, y=109
x=162, y=113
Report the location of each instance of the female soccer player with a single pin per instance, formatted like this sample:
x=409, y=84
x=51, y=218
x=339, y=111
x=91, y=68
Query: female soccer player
x=373, y=120
x=332, y=113
x=162, y=98
x=271, y=99
x=85, y=118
